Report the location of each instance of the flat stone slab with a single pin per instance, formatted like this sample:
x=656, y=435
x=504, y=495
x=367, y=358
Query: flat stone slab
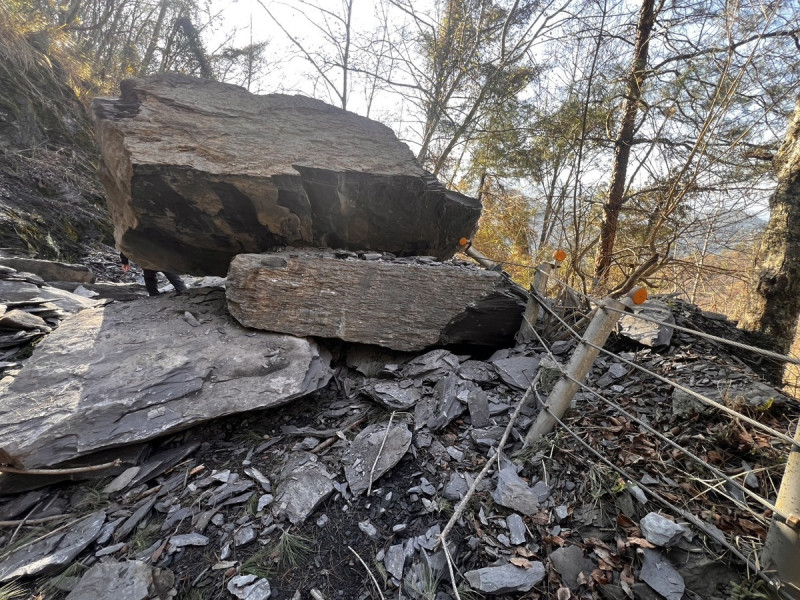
x=198, y=171
x=249, y=587
x=505, y=579
x=399, y=305
x=50, y=270
x=53, y=552
x=570, y=562
x=130, y=372
x=648, y=333
x=659, y=574
x=129, y=580
x=305, y=484
x=367, y=447
x=514, y=492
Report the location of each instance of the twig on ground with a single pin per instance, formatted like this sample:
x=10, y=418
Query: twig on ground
x=450, y=568
x=5, y=555
x=380, y=451
x=72, y=471
x=332, y=440
x=471, y=491
x=22, y=522
x=371, y=576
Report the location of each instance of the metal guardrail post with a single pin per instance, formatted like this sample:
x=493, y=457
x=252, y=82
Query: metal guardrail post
x=532, y=309
x=582, y=360
x=782, y=547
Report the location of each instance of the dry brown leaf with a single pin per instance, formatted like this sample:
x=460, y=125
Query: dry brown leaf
x=624, y=521
x=626, y=575
x=597, y=543
x=523, y=551
x=521, y=562
x=601, y=576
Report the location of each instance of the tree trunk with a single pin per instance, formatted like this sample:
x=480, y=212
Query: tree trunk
x=622, y=145
x=773, y=304
x=154, y=37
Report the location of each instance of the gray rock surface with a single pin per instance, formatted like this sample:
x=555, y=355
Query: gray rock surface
x=399, y=305
x=516, y=529
x=514, y=492
x=570, y=562
x=394, y=561
x=188, y=539
x=304, y=485
x=478, y=406
x=364, y=449
x=709, y=579
x=129, y=580
x=50, y=270
x=54, y=552
x=660, y=531
x=130, y=372
x=19, y=319
x=646, y=332
x=505, y=579
x=183, y=156
x=249, y=587
x=395, y=395
x=517, y=371
x=659, y=574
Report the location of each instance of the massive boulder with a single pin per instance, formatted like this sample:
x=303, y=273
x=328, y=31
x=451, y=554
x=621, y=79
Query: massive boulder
x=198, y=171
x=130, y=372
x=404, y=304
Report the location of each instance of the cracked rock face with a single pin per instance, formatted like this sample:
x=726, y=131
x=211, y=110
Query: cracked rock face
x=130, y=372
x=399, y=304
x=198, y=171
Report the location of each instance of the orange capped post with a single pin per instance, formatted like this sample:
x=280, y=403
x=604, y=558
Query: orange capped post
x=559, y=255
x=638, y=295
x=463, y=242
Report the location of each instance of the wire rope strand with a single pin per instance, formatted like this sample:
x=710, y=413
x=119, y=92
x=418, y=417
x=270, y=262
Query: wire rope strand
x=755, y=349
x=676, y=385
x=759, y=499
x=704, y=527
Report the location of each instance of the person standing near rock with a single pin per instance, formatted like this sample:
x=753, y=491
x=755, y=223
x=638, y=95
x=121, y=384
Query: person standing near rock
x=150, y=278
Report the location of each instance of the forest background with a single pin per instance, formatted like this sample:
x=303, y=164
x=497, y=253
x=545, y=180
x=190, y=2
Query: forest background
x=638, y=136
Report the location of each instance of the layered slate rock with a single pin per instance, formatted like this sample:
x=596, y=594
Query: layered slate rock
x=199, y=171
x=130, y=372
x=403, y=305
x=50, y=270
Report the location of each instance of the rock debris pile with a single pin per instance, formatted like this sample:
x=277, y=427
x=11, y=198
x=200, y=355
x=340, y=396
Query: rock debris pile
x=357, y=474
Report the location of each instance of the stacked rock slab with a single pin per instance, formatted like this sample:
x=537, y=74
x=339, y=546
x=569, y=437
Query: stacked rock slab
x=402, y=304
x=198, y=171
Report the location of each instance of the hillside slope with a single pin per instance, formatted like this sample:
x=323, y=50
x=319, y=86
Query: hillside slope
x=51, y=203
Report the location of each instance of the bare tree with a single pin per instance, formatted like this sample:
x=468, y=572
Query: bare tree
x=624, y=139
x=331, y=59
